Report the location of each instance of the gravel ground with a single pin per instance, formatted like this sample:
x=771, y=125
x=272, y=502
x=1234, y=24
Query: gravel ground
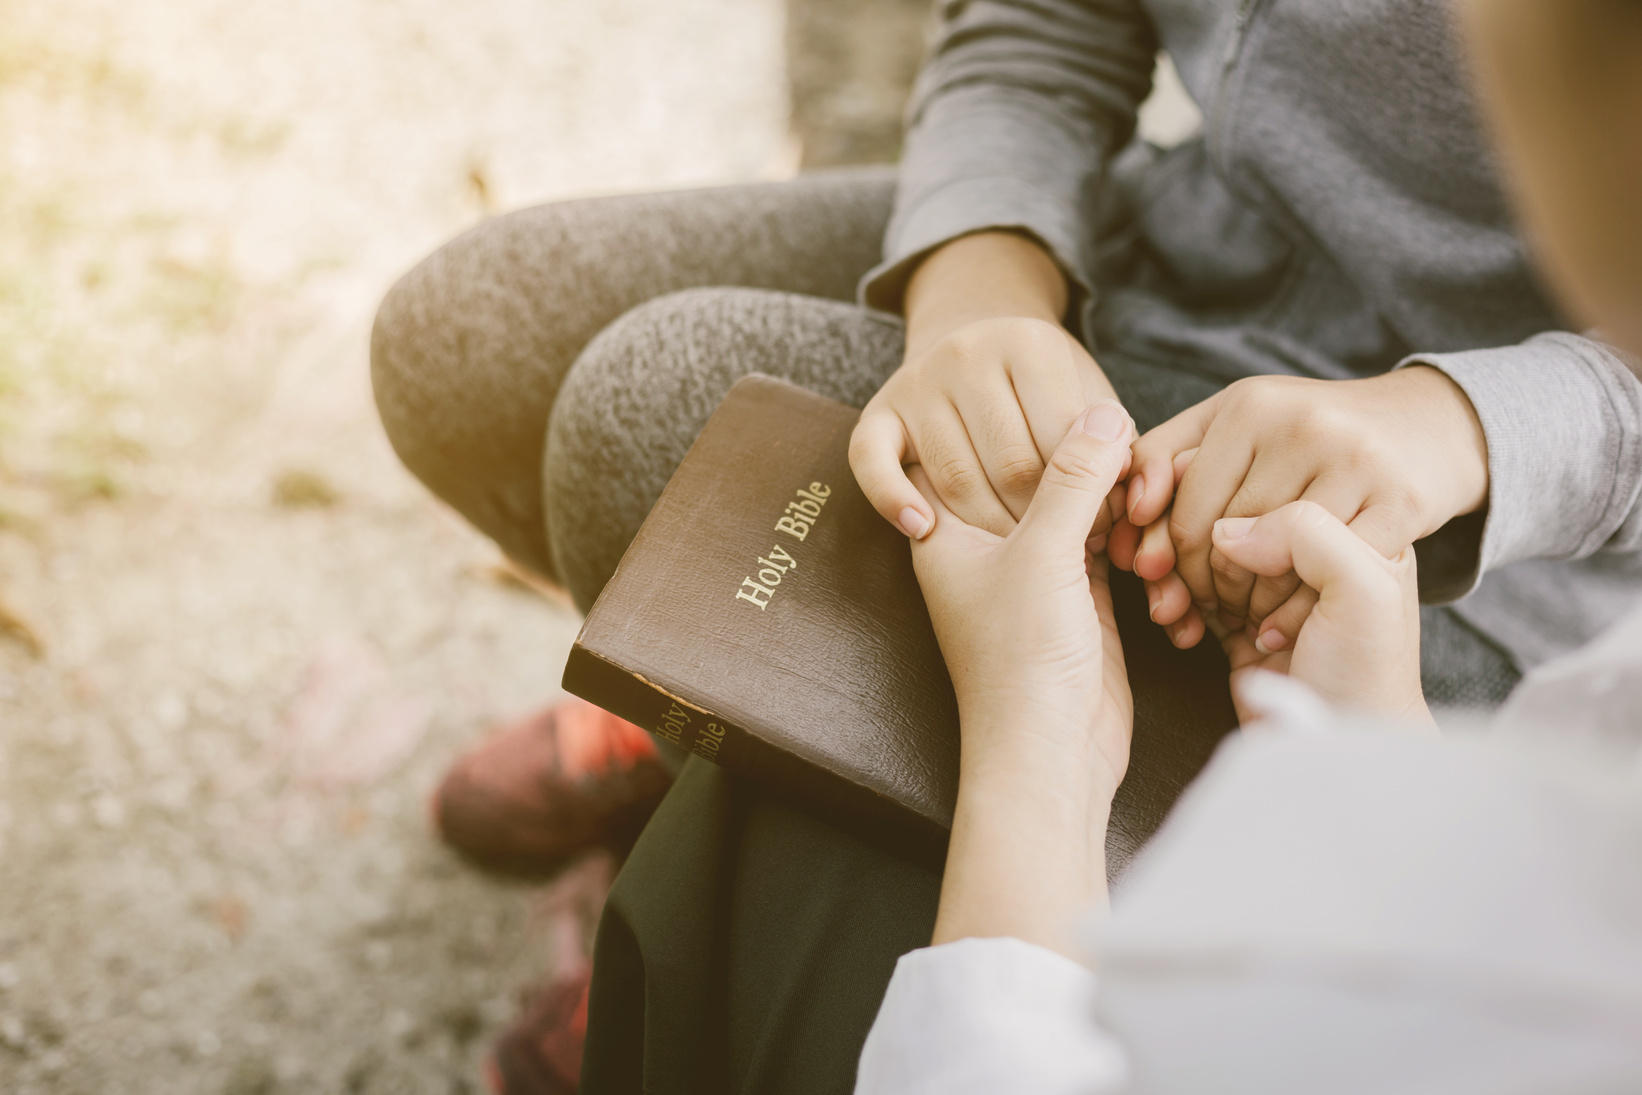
x=238, y=643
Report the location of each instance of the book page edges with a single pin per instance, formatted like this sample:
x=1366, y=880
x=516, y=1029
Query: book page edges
x=647, y=704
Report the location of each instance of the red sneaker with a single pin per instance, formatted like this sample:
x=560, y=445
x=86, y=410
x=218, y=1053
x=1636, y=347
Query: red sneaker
x=559, y=781
x=541, y=1054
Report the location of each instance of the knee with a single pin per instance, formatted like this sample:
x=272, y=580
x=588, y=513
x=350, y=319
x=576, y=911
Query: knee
x=627, y=412
x=664, y=350
x=394, y=360
x=425, y=327
x=463, y=384
x=641, y=390
x=637, y=396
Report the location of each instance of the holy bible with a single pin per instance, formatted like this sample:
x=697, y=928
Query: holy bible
x=767, y=619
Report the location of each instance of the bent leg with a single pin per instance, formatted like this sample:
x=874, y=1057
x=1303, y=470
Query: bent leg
x=470, y=347
x=642, y=390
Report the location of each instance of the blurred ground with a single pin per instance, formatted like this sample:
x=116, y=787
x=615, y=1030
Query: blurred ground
x=237, y=642
x=849, y=65
x=240, y=643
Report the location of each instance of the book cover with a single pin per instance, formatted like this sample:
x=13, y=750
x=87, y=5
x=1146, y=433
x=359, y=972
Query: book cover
x=766, y=618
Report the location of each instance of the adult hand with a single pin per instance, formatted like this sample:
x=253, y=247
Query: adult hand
x=1025, y=625
x=1395, y=457
x=990, y=384
x=1360, y=646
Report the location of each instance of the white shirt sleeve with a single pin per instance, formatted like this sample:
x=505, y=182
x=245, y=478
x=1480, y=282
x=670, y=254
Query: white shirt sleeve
x=989, y=1016
x=1353, y=912
x=1364, y=912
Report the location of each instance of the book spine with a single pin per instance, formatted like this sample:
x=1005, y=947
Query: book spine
x=628, y=695
x=703, y=733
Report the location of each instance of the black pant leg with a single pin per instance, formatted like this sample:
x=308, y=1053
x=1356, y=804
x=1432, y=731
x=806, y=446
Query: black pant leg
x=746, y=946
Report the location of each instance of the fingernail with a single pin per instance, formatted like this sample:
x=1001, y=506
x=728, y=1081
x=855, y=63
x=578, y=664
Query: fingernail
x=1106, y=420
x=1233, y=528
x=1137, y=491
x=1153, y=599
x=1271, y=641
x=913, y=523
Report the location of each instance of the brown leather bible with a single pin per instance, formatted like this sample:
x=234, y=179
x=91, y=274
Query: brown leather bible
x=767, y=619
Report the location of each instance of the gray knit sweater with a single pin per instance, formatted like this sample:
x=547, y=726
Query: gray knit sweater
x=1341, y=215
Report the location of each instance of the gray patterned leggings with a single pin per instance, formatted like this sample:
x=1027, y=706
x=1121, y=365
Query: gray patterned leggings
x=545, y=372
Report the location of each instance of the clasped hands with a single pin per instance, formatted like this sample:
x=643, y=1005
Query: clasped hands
x=1280, y=514
x=1025, y=618
x=979, y=409
x=1394, y=457
x=1026, y=628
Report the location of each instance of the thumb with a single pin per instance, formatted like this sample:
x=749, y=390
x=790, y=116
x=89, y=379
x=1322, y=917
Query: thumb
x=1080, y=475
x=1317, y=546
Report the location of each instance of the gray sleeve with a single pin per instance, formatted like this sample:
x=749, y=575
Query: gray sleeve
x=1013, y=116
x=1563, y=417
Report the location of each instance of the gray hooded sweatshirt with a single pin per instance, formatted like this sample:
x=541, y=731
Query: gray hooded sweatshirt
x=1340, y=215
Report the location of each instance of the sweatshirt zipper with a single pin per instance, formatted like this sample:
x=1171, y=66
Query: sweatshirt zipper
x=1214, y=137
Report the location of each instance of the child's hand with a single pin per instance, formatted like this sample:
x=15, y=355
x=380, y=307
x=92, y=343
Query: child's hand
x=1360, y=646
x=990, y=385
x=980, y=411
x=1395, y=457
x=1025, y=620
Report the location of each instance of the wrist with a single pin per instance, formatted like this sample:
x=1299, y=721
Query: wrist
x=1461, y=427
x=1024, y=861
x=1069, y=796
x=1015, y=746
x=985, y=275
